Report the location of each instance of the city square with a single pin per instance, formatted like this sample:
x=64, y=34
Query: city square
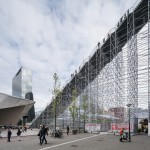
x=63, y=89
x=80, y=141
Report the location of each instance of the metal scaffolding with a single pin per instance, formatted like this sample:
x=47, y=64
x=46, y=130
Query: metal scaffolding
x=115, y=74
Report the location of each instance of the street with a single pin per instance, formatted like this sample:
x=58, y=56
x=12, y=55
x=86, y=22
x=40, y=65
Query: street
x=77, y=142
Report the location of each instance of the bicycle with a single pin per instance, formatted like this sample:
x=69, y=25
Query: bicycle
x=57, y=134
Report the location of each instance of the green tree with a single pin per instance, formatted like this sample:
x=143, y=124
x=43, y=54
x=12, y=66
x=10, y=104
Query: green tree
x=56, y=92
x=73, y=107
x=85, y=109
x=92, y=111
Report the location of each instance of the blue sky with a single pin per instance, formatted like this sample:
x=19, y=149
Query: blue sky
x=51, y=36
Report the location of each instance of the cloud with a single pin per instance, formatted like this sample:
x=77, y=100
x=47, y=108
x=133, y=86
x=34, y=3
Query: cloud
x=51, y=36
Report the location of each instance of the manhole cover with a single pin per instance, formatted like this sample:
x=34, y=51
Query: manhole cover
x=74, y=146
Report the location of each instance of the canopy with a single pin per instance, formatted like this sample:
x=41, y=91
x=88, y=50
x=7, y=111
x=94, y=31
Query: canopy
x=108, y=117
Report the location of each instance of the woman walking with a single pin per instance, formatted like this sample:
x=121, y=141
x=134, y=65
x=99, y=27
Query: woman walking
x=18, y=134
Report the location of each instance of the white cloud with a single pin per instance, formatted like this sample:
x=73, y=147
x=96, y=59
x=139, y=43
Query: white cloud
x=51, y=36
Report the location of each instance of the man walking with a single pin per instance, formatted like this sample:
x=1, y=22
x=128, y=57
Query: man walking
x=45, y=132
x=42, y=133
x=68, y=130
x=9, y=135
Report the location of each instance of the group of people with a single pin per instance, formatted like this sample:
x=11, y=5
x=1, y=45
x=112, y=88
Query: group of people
x=42, y=134
x=9, y=133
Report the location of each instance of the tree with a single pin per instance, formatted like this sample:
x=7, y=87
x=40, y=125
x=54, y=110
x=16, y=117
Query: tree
x=56, y=92
x=85, y=108
x=73, y=107
x=92, y=111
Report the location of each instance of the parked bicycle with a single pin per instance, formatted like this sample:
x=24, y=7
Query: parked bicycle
x=58, y=134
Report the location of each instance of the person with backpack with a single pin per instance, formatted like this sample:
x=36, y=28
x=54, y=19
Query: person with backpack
x=45, y=132
x=42, y=133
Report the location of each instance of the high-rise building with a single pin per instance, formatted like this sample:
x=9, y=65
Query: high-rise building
x=22, y=82
x=22, y=88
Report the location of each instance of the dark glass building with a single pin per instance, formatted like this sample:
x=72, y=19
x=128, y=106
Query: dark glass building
x=22, y=88
x=22, y=83
x=31, y=113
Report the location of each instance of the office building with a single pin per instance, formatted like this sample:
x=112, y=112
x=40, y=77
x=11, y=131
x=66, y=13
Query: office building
x=22, y=82
x=22, y=88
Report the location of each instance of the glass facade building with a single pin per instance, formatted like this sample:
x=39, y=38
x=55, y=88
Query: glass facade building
x=22, y=88
x=22, y=82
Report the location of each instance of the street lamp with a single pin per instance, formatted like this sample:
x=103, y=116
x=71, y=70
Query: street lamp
x=79, y=119
x=128, y=105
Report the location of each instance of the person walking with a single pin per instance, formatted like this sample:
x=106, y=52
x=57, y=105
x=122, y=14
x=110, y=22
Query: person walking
x=1, y=133
x=45, y=132
x=68, y=130
x=40, y=134
x=18, y=134
x=9, y=133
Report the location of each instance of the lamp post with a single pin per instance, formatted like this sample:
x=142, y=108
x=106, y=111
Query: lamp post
x=79, y=120
x=128, y=105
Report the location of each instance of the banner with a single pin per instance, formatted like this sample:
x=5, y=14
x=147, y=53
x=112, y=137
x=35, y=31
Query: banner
x=118, y=126
x=90, y=127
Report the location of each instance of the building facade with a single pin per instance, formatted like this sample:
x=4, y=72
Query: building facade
x=22, y=88
x=13, y=108
x=22, y=82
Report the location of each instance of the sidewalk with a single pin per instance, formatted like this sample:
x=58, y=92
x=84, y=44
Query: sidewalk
x=84, y=141
x=29, y=132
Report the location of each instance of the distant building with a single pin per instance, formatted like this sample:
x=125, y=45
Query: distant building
x=22, y=88
x=22, y=82
x=118, y=112
x=31, y=112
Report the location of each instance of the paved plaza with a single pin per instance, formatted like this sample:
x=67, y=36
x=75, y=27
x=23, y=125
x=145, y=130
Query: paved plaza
x=82, y=141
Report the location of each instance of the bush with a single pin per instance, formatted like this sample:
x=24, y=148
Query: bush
x=75, y=131
x=139, y=130
x=146, y=131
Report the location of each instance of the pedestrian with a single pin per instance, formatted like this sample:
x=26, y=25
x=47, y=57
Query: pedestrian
x=18, y=134
x=45, y=132
x=68, y=130
x=9, y=133
x=1, y=133
x=25, y=128
x=40, y=134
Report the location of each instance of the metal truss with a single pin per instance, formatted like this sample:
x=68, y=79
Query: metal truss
x=115, y=74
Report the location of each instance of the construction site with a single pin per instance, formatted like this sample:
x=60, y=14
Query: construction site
x=114, y=81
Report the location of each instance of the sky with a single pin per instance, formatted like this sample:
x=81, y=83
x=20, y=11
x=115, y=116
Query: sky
x=52, y=36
